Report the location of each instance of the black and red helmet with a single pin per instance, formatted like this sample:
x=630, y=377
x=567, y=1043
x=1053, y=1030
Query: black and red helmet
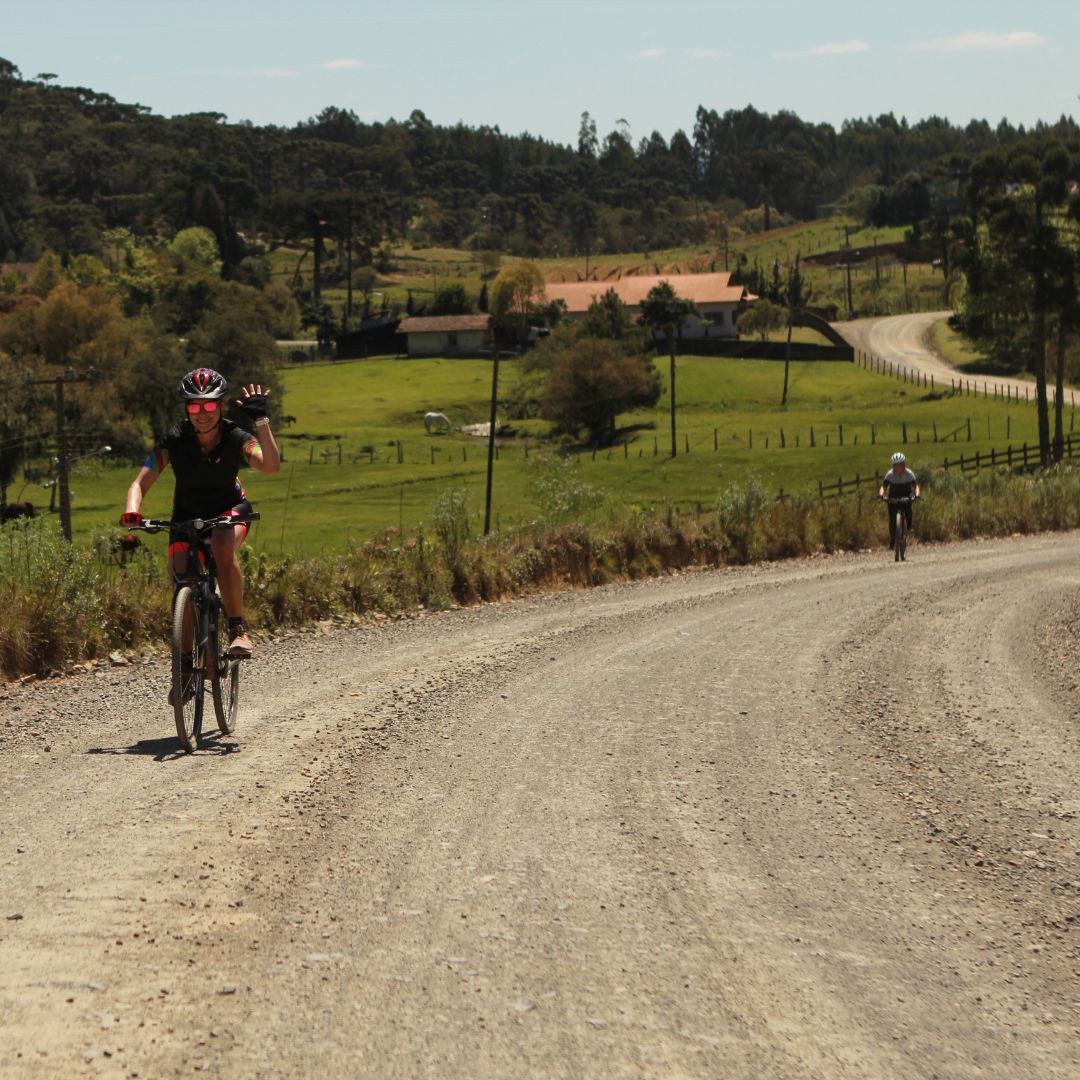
x=203, y=384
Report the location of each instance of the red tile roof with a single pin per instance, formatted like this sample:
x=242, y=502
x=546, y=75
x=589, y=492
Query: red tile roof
x=703, y=289
x=442, y=324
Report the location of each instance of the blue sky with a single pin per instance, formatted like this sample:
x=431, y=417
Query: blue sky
x=536, y=66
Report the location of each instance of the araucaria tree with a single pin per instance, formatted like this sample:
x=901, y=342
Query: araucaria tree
x=1019, y=256
x=663, y=311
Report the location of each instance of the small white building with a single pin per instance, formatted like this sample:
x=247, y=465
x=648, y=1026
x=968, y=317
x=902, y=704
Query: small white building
x=718, y=301
x=446, y=335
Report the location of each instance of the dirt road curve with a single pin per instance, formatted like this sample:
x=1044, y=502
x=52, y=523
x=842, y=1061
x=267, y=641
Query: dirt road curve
x=904, y=339
x=815, y=820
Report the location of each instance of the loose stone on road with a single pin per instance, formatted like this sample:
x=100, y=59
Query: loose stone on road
x=817, y=819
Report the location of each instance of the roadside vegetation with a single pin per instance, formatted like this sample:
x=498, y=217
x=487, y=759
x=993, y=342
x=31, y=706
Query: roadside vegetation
x=65, y=606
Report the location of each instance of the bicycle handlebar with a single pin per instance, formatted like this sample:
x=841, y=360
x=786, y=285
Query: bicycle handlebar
x=197, y=525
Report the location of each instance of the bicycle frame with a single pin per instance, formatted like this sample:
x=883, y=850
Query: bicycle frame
x=206, y=658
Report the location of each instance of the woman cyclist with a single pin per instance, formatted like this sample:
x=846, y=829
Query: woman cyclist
x=899, y=483
x=206, y=452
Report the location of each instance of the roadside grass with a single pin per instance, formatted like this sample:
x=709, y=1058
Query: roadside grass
x=64, y=606
x=341, y=481
x=959, y=352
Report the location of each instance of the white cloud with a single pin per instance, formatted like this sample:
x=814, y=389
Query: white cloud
x=345, y=63
x=833, y=48
x=983, y=40
x=709, y=54
x=838, y=48
x=649, y=54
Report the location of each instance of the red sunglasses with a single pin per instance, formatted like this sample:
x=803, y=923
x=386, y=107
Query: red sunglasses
x=202, y=406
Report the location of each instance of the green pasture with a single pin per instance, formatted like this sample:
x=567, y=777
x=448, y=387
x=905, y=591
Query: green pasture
x=342, y=479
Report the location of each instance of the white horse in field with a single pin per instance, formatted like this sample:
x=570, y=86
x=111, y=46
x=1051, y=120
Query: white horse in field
x=437, y=423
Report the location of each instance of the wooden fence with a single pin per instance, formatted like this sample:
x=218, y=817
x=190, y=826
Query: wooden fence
x=1012, y=457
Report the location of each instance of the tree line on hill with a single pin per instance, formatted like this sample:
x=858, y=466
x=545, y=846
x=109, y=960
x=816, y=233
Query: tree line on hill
x=76, y=163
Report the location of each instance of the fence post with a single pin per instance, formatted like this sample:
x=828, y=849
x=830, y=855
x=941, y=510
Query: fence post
x=932, y=390
x=812, y=442
x=687, y=443
x=783, y=441
x=935, y=431
x=993, y=457
x=903, y=424
x=751, y=438
x=715, y=440
x=840, y=428
x=873, y=434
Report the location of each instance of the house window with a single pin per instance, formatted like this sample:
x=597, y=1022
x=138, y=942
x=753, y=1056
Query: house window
x=451, y=339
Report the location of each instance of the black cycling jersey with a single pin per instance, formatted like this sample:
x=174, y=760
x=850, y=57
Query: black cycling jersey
x=206, y=484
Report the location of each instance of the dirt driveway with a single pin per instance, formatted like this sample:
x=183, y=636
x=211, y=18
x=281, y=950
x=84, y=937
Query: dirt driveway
x=814, y=820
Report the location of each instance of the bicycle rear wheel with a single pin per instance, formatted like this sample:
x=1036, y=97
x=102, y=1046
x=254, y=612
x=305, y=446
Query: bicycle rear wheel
x=187, y=684
x=224, y=674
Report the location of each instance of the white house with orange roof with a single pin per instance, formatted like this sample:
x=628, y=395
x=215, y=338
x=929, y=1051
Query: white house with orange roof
x=718, y=300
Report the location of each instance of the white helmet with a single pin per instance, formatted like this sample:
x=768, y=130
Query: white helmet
x=898, y=458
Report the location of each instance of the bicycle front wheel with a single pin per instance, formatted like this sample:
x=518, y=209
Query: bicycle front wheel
x=901, y=536
x=224, y=675
x=187, y=664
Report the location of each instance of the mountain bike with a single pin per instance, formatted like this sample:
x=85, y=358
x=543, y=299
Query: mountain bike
x=896, y=507
x=205, y=656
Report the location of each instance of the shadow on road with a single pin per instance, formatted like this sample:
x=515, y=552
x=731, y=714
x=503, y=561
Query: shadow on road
x=168, y=749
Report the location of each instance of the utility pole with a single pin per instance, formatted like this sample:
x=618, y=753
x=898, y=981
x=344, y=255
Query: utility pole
x=62, y=462
x=847, y=266
x=671, y=343
x=491, y=440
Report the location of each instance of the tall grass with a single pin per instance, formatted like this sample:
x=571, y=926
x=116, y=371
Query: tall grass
x=59, y=605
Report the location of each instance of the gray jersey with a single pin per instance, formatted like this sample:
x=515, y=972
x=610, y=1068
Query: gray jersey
x=899, y=485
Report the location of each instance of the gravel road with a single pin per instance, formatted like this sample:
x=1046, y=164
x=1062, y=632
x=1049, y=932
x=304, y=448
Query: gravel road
x=811, y=820
x=905, y=340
